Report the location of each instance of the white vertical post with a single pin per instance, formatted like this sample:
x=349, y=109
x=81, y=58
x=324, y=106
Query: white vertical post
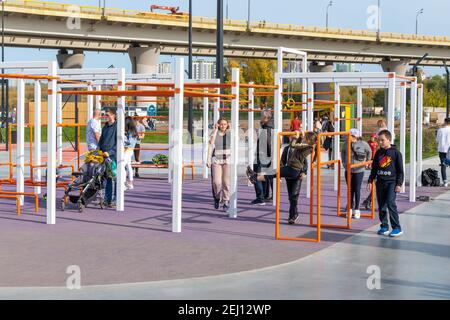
x=413, y=134
x=359, y=108
x=98, y=104
x=177, y=146
x=20, y=169
x=278, y=127
x=251, y=127
x=171, y=137
x=403, y=126
x=419, y=133
x=37, y=135
x=59, y=129
x=304, y=106
x=309, y=127
x=205, y=135
x=90, y=105
x=337, y=127
x=216, y=107
x=51, y=146
x=234, y=142
x=305, y=95
x=121, y=176
x=391, y=105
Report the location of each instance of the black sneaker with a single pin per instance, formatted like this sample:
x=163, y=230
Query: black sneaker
x=136, y=175
x=216, y=204
x=258, y=202
x=226, y=206
x=294, y=219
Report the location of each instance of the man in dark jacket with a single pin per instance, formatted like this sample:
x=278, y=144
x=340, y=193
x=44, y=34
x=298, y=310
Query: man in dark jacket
x=263, y=157
x=108, y=145
x=387, y=170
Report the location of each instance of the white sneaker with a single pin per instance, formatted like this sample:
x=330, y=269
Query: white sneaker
x=445, y=184
x=130, y=186
x=357, y=214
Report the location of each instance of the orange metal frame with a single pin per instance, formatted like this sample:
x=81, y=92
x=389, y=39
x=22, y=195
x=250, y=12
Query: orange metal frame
x=318, y=224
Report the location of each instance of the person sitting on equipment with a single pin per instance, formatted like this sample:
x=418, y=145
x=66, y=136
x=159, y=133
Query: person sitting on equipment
x=295, y=168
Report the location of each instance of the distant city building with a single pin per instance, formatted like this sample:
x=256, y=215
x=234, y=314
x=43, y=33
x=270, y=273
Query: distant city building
x=203, y=69
x=346, y=67
x=165, y=68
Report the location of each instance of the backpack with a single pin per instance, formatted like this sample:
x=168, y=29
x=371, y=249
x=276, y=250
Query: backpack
x=359, y=154
x=430, y=177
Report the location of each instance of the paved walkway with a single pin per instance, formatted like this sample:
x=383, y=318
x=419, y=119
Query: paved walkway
x=414, y=266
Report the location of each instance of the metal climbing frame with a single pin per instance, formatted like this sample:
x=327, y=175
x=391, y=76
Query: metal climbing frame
x=312, y=167
x=37, y=71
x=387, y=80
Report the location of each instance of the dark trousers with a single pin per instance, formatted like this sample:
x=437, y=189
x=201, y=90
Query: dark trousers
x=137, y=155
x=356, y=183
x=386, y=202
x=285, y=172
x=293, y=186
x=442, y=156
x=260, y=186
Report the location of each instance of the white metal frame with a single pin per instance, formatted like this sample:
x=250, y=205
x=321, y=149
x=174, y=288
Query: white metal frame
x=44, y=69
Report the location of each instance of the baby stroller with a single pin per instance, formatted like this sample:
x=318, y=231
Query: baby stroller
x=88, y=184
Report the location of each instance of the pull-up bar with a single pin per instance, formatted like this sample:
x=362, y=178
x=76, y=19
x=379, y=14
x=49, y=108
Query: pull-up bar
x=26, y=76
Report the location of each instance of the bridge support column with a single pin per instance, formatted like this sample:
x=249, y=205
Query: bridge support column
x=322, y=87
x=72, y=60
x=399, y=67
x=144, y=60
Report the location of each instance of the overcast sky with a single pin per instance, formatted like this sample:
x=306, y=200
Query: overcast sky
x=397, y=16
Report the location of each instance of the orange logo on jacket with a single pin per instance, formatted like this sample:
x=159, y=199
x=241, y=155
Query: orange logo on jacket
x=385, y=162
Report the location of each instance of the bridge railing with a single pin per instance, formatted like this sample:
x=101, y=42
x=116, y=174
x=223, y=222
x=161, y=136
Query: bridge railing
x=262, y=26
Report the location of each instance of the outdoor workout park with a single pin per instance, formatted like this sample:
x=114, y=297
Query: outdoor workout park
x=54, y=210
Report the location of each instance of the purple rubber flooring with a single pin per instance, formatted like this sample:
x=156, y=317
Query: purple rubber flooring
x=137, y=245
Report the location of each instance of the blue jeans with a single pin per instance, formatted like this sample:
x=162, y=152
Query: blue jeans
x=386, y=197
x=444, y=164
x=260, y=186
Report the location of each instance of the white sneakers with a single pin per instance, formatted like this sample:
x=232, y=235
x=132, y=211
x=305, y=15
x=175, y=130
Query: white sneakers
x=355, y=214
x=129, y=186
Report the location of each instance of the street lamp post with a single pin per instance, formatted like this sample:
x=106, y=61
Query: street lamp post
x=219, y=46
x=191, y=109
x=379, y=20
x=330, y=4
x=4, y=111
x=248, y=18
x=417, y=20
x=447, y=90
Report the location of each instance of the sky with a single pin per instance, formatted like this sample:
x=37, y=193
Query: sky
x=396, y=16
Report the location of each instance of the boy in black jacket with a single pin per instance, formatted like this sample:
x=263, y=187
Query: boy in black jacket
x=387, y=170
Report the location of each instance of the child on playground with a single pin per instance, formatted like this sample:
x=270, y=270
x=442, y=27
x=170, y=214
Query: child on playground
x=387, y=170
x=373, y=144
x=296, y=123
x=131, y=139
x=295, y=168
x=360, y=153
